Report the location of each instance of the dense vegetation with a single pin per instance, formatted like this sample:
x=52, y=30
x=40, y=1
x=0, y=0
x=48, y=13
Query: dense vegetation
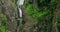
x=43, y=11
x=4, y=23
x=39, y=16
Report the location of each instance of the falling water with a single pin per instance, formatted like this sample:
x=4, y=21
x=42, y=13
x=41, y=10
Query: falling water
x=20, y=4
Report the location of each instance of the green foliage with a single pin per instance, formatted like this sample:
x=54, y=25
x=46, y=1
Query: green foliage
x=4, y=23
x=43, y=8
x=58, y=24
x=58, y=20
x=3, y=19
x=8, y=31
x=40, y=1
x=3, y=28
x=36, y=13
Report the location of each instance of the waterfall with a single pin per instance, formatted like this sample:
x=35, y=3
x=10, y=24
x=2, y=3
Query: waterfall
x=20, y=3
x=20, y=11
x=19, y=22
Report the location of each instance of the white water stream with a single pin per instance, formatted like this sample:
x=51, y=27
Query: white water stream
x=20, y=3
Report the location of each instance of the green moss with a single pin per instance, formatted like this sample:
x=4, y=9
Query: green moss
x=0, y=30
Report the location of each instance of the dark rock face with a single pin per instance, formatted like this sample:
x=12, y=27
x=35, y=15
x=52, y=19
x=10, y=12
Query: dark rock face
x=6, y=7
